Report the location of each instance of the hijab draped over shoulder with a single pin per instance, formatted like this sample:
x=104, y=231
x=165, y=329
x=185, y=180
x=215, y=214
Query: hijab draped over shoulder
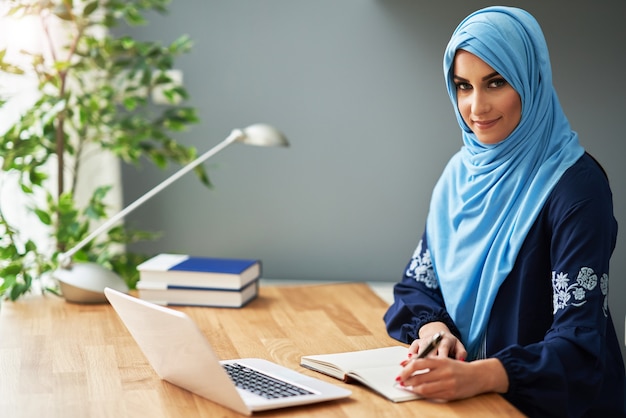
x=489, y=196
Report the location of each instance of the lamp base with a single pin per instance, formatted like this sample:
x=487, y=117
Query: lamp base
x=85, y=282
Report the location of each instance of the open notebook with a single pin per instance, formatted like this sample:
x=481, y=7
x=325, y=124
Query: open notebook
x=179, y=353
x=375, y=368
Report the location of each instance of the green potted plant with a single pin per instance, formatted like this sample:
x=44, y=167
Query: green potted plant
x=94, y=91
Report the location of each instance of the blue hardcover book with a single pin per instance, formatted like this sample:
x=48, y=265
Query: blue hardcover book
x=204, y=272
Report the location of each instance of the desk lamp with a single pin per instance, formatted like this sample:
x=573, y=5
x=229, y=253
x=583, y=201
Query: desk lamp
x=84, y=282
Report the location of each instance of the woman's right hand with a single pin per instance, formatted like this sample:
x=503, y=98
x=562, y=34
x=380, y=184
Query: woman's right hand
x=450, y=346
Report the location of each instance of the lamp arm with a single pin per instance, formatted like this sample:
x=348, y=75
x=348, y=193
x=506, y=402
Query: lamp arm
x=65, y=258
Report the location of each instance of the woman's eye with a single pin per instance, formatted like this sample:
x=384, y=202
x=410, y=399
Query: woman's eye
x=498, y=82
x=463, y=86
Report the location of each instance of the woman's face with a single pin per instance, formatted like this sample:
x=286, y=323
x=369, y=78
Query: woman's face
x=489, y=105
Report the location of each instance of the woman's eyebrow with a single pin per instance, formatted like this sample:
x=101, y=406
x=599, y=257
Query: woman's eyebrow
x=487, y=77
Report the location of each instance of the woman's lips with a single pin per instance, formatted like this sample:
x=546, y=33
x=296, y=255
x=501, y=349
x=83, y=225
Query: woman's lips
x=484, y=124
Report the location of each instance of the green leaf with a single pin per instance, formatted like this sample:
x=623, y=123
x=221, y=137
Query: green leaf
x=101, y=192
x=30, y=246
x=7, y=283
x=127, y=42
x=43, y=216
x=90, y=8
x=19, y=289
x=130, y=103
x=133, y=17
x=12, y=269
x=63, y=12
x=8, y=253
x=181, y=45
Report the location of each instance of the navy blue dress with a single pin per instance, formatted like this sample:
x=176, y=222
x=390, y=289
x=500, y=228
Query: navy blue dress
x=550, y=324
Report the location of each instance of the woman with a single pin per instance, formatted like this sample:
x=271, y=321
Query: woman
x=513, y=264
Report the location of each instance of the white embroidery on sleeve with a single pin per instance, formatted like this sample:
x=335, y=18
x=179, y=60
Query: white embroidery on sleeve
x=575, y=294
x=421, y=268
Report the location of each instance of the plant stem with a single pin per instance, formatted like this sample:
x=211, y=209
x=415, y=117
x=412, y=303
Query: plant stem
x=60, y=126
x=60, y=143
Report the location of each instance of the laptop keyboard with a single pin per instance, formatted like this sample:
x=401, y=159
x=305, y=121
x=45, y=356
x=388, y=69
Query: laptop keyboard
x=262, y=384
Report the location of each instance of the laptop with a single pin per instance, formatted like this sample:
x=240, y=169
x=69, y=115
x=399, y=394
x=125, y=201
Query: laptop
x=180, y=354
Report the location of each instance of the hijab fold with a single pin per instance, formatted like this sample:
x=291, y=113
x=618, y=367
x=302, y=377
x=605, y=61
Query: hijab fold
x=489, y=196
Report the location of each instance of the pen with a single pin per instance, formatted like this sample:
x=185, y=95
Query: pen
x=434, y=342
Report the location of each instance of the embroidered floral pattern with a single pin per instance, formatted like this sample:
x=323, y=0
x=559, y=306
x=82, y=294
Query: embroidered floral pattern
x=421, y=268
x=575, y=294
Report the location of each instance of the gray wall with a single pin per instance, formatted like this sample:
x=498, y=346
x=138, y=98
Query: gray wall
x=357, y=87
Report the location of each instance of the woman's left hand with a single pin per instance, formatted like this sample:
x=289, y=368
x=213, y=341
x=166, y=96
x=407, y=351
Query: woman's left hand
x=447, y=379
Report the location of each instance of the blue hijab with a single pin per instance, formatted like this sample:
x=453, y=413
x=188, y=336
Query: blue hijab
x=489, y=196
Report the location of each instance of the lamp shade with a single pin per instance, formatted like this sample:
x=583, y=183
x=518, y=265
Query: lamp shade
x=263, y=135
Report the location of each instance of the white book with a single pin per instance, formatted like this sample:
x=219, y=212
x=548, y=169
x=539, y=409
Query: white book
x=376, y=368
x=163, y=294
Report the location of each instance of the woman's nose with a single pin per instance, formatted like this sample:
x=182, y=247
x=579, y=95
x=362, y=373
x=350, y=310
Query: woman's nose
x=480, y=103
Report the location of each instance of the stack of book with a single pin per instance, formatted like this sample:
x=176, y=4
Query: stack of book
x=174, y=279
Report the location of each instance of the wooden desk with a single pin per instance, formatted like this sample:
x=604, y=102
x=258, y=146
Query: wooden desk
x=59, y=359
